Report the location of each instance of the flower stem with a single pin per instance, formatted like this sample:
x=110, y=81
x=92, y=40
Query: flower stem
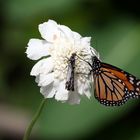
x=36, y=116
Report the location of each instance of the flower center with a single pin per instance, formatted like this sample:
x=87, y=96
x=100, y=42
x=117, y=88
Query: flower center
x=61, y=54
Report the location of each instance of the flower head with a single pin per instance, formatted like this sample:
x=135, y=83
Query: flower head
x=58, y=44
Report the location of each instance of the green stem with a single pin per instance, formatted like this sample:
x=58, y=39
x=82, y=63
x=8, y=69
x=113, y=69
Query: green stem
x=37, y=114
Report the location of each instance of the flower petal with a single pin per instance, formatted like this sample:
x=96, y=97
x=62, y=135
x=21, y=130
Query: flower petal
x=88, y=93
x=74, y=98
x=87, y=89
x=49, y=31
x=66, y=32
x=80, y=88
x=37, y=79
x=94, y=52
x=76, y=35
x=45, y=80
x=85, y=41
x=84, y=88
x=62, y=93
x=43, y=66
x=36, y=49
x=48, y=91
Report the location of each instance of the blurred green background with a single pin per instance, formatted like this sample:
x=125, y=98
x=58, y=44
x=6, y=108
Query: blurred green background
x=114, y=26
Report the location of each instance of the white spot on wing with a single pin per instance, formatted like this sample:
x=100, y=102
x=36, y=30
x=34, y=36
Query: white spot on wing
x=138, y=83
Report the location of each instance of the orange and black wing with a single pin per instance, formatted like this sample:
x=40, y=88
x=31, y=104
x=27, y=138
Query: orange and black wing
x=113, y=86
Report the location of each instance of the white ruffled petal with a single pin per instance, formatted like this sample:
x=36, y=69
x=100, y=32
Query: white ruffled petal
x=43, y=66
x=66, y=32
x=87, y=89
x=85, y=41
x=88, y=93
x=84, y=88
x=74, y=98
x=94, y=52
x=62, y=93
x=37, y=79
x=45, y=80
x=48, y=91
x=80, y=87
x=37, y=48
x=49, y=31
x=76, y=35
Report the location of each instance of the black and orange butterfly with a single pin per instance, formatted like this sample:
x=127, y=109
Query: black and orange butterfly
x=113, y=86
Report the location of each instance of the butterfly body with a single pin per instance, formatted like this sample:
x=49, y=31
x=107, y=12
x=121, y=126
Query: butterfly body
x=113, y=86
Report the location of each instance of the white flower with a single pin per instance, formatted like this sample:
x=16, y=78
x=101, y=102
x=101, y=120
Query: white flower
x=59, y=43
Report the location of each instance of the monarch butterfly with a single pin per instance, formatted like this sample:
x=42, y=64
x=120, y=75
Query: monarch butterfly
x=112, y=85
x=70, y=73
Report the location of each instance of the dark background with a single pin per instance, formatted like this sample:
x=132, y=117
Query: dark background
x=114, y=26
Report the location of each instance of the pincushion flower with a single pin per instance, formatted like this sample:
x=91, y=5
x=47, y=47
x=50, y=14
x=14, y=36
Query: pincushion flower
x=53, y=52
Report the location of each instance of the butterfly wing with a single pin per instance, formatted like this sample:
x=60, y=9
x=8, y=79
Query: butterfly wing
x=113, y=86
x=131, y=82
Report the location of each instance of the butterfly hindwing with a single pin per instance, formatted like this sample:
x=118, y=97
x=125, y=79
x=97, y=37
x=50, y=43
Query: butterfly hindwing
x=113, y=86
x=130, y=81
x=108, y=90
